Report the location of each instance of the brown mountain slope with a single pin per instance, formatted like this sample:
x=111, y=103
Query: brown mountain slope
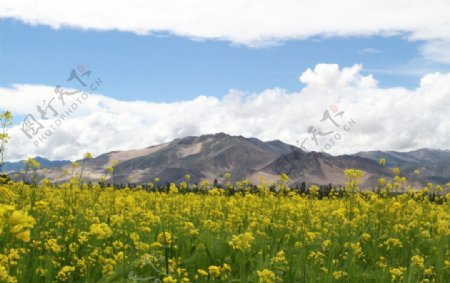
x=211, y=156
x=323, y=169
x=204, y=157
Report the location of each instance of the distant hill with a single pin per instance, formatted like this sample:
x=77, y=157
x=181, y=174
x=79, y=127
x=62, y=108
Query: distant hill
x=211, y=156
x=45, y=164
x=204, y=157
x=433, y=164
x=323, y=169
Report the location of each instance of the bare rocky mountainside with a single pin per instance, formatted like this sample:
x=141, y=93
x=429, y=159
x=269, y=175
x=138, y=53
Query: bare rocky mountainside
x=211, y=156
x=433, y=164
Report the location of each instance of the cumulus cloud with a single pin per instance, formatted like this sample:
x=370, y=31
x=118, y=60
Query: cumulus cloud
x=249, y=22
x=374, y=118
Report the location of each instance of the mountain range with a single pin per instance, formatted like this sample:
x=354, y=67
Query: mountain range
x=434, y=165
x=212, y=156
x=45, y=164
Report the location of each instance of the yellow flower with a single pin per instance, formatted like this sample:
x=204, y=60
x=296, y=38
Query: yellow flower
x=31, y=163
x=428, y=271
x=381, y=262
x=242, y=241
x=155, y=245
x=382, y=161
x=396, y=171
x=353, y=173
x=316, y=257
x=366, y=236
x=279, y=258
x=52, y=245
x=76, y=234
x=314, y=190
x=226, y=267
x=83, y=237
x=73, y=247
x=284, y=178
x=391, y=243
x=173, y=188
x=266, y=276
x=24, y=236
x=418, y=261
x=397, y=273
x=447, y=264
x=170, y=279
x=87, y=155
x=165, y=238
x=339, y=274
x=41, y=271
x=326, y=244
x=214, y=271
x=21, y=219
x=64, y=273
x=5, y=277
x=202, y=272
x=100, y=231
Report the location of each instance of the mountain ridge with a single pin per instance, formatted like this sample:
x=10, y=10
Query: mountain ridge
x=211, y=156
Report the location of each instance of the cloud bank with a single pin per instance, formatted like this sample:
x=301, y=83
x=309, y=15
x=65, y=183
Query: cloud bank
x=380, y=118
x=252, y=23
x=249, y=22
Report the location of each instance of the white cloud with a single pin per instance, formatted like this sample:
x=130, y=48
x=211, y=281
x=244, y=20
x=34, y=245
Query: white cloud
x=250, y=22
x=437, y=51
x=386, y=118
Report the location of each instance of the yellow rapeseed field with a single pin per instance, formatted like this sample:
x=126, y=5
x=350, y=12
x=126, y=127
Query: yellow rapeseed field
x=80, y=233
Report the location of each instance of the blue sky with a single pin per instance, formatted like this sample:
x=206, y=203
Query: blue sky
x=170, y=68
x=259, y=69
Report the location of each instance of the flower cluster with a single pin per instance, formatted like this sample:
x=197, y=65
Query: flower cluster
x=91, y=233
